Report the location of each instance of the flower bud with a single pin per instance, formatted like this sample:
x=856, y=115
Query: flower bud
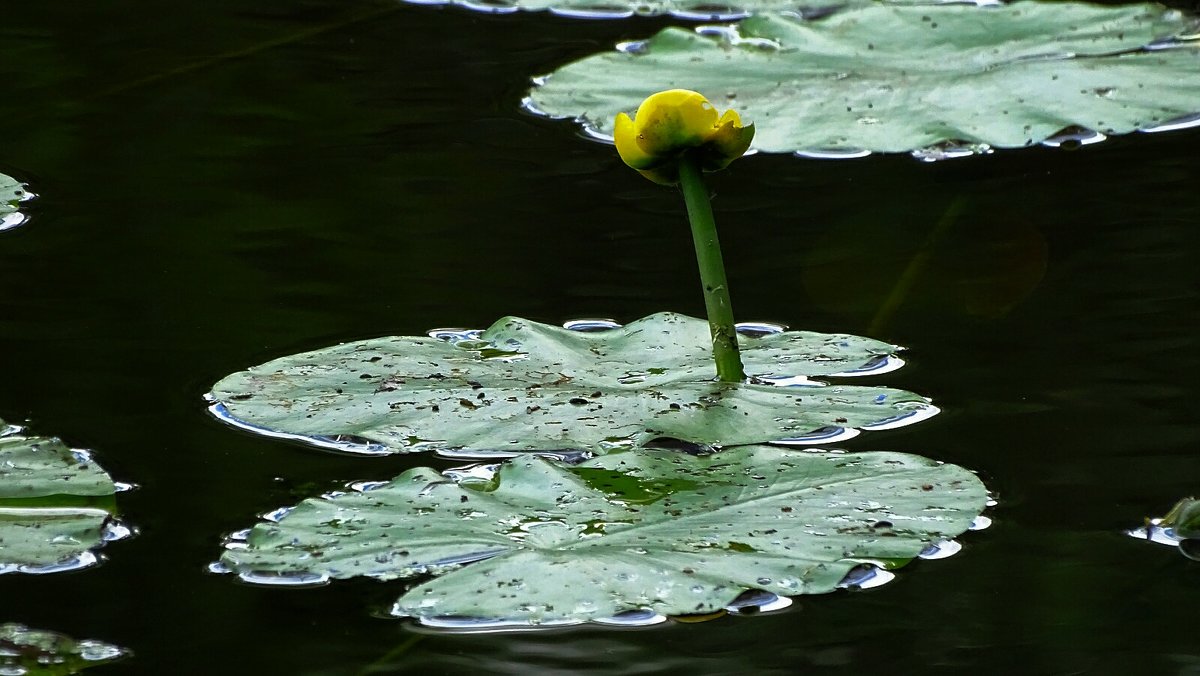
x=678, y=121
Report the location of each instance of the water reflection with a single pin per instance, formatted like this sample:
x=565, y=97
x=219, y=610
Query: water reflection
x=339, y=442
x=1074, y=137
x=1177, y=124
x=951, y=150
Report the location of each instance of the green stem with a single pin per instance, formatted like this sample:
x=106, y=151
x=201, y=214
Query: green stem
x=712, y=272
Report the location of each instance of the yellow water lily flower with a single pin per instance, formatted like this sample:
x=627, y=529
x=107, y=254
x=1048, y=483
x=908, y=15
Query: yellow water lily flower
x=671, y=123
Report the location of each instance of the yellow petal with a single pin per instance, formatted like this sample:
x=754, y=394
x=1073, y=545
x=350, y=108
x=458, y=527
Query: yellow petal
x=677, y=121
x=672, y=98
x=667, y=174
x=729, y=142
x=730, y=115
x=625, y=136
x=672, y=121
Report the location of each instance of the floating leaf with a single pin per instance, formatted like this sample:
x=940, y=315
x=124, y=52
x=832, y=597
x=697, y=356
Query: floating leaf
x=12, y=193
x=37, y=467
x=55, y=505
x=654, y=532
x=898, y=78
x=1179, y=528
x=695, y=10
x=36, y=652
x=524, y=386
x=702, y=10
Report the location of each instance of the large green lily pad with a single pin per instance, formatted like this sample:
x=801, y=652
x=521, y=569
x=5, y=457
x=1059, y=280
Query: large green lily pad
x=37, y=652
x=523, y=386
x=669, y=533
x=701, y=10
x=899, y=78
x=12, y=193
x=55, y=505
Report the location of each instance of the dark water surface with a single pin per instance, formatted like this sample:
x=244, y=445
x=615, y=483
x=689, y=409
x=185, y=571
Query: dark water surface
x=223, y=182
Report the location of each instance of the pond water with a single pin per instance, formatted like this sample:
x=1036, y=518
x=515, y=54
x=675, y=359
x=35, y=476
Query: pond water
x=221, y=184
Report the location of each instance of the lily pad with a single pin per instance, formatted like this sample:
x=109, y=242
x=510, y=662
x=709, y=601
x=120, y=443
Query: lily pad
x=12, y=193
x=657, y=532
x=36, y=652
x=887, y=78
x=55, y=505
x=699, y=10
x=522, y=386
x=1180, y=528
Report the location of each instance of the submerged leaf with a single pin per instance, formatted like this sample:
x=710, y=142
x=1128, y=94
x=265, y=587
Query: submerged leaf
x=663, y=532
x=524, y=386
x=37, y=652
x=55, y=505
x=899, y=78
